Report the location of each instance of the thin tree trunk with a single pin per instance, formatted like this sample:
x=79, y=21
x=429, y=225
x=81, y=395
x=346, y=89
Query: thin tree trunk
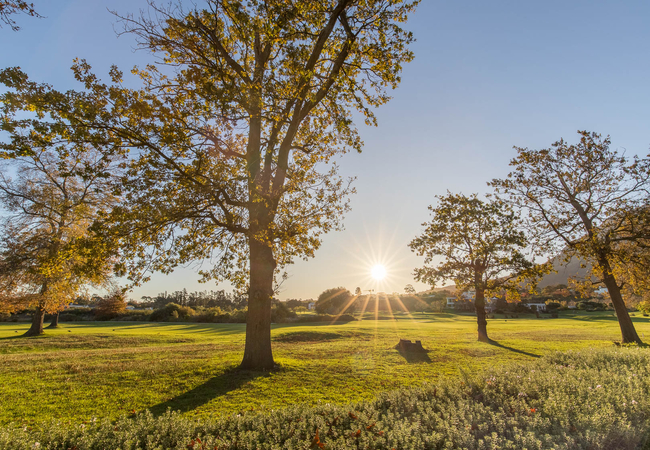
x=37, y=322
x=628, y=332
x=257, y=353
x=479, y=304
x=55, y=320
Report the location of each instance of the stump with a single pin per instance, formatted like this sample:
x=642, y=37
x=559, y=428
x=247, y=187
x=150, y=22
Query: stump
x=410, y=347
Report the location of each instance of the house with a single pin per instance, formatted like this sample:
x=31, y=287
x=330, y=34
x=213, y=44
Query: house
x=451, y=302
x=311, y=306
x=541, y=307
x=459, y=304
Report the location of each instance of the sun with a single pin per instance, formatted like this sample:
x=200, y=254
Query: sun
x=378, y=272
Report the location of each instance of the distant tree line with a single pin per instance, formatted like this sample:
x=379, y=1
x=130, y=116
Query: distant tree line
x=206, y=299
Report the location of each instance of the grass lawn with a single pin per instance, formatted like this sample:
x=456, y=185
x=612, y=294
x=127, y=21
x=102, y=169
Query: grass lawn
x=107, y=369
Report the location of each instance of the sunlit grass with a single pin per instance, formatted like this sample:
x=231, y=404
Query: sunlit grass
x=86, y=370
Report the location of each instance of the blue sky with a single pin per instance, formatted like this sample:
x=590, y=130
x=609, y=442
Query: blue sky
x=487, y=76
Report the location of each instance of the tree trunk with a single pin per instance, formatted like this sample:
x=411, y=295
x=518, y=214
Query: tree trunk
x=479, y=304
x=257, y=353
x=37, y=322
x=55, y=320
x=628, y=332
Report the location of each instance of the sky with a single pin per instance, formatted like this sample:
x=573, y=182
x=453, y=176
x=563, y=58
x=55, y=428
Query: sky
x=487, y=76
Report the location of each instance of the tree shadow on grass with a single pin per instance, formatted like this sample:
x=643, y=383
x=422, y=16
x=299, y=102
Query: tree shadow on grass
x=215, y=387
x=414, y=357
x=512, y=349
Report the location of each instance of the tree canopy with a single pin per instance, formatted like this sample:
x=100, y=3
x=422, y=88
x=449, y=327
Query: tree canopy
x=233, y=135
x=579, y=199
x=480, y=245
x=53, y=187
x=47, y=251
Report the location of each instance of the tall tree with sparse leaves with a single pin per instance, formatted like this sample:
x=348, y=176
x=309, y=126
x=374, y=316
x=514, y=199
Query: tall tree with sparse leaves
x=480, y=246
x=234, y=139
x=578, y=198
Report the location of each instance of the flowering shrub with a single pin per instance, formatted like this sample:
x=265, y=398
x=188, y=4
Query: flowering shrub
x=595, y=399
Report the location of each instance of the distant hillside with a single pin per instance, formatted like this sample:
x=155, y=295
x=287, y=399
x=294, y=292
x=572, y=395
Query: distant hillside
x=450, y=288
x=564, y=272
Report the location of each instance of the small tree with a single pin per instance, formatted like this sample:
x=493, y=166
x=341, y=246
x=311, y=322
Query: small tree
x=578, y=198
x=481, y=246
x=111, y=306
x=409, y=289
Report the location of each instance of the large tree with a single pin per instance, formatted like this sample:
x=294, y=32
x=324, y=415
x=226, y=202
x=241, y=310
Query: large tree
x=478, y=244
x=233, y=135
x=47, y=252
x=53, y=187
x=578, y=197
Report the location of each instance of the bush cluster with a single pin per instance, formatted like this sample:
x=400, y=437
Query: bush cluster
x=594, y=399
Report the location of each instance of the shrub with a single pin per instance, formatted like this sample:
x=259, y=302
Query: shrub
x=551, y=305
x=238, y=316
x=171, y=312
x=280, y=313
x=110, y=306
x=644, y=306
x=209, y=315
x=591, y=306
x=591, y=399
x=332, y=301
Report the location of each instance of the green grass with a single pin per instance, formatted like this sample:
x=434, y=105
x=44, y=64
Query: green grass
x=108, y=369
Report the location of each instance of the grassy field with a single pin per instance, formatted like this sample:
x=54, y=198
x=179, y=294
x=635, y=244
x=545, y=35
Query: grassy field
x=108, y=369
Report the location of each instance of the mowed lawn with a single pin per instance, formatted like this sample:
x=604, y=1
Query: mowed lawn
x=89, y=370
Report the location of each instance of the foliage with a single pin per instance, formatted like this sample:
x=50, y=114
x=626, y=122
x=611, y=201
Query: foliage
x=205, y=299
x=9, y=7
x=281, y=313
x=111, y=306
x=591, y=306
x=577, y=198
x=171, y=311
x=480, y=242
x=551, y=305
x=47, y=250
x=62, y=182
x=233, y=139
x=409, y=289
x=334, y=301
x=481, y=246
x=575, y=400
x=644, y=306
